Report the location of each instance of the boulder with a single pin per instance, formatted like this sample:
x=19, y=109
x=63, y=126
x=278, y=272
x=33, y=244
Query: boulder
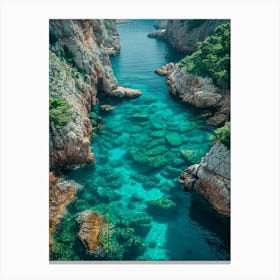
x=91, y=226
x=123, y=92
x=162, y=206
x=106, y=107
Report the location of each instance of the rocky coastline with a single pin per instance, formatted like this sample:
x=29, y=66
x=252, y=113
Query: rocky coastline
x=211, y=178
x=79, y=71
x=183, y=35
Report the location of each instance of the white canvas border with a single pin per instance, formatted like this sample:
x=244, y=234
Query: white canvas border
x=255, y=138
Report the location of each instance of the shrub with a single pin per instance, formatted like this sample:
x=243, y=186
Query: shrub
x=59, y=112
x=222, y=134
x=212, y=59
x=108, y=23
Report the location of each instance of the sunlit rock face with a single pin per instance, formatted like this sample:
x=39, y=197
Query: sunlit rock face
x=211, y=178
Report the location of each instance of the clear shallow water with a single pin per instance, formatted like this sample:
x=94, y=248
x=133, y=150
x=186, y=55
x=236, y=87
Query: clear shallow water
x=136, y=163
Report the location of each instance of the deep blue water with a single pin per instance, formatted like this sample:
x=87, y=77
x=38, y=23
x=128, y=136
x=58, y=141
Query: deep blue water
x=134, y=159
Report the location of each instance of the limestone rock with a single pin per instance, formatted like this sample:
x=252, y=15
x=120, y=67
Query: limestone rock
x=184, y=35
x=160, y=33
x=125, y=92
x=165, y=69
x=199, y=92
x=107, y=107
x=211, y=178
x=91, y=228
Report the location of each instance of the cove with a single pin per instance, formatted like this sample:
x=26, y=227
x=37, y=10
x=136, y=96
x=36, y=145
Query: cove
x=139, y=159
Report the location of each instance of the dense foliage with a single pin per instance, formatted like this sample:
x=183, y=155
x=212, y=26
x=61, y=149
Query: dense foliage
x=222, y=134
x=212, y=59
x=60, y=112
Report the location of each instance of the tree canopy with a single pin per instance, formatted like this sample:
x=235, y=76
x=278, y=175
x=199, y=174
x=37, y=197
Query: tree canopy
x=212, y=59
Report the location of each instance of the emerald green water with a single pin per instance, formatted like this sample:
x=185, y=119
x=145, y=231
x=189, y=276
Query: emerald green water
x=135, y=164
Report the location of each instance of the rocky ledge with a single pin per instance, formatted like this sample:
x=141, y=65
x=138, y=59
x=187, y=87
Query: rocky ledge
x=211, y=178
x=61, y=194
x=197, y=91
x=91, y=229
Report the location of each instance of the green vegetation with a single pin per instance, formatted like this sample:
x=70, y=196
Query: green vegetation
x=108, y=23
x=222, y=134
x=60, y=112
x=212, y=59
x=64, y=240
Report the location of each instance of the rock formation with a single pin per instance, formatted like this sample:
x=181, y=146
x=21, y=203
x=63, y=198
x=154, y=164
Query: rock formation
x=90, y=230
x=60, y=195
x=184, y=35
x=211, y=178
x=197, y=91
x=159, y=34
x=80, y=69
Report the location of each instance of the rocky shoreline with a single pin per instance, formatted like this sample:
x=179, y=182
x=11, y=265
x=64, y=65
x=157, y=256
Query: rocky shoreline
x=211, y=178
x=197, y=91
x=79, y=71
x=183, y=35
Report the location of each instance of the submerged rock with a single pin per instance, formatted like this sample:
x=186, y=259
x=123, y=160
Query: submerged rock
x=162, y=206
x=139, y=118
x=125, y=92
x=193, y=156
x=211, y=178
x=141, y=222
x=173, y=139
x=107, y=107
x=158, y=133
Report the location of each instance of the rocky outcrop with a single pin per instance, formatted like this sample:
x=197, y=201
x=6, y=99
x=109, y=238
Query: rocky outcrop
x=70, y=144
x=122, y=92
x=197, y=91
x=159, y=34
x=60, y=195
x=211, y=178
x=184, y=35
x=91, y=229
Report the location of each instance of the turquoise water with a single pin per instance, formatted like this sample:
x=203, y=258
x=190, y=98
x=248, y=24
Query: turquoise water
x=139, y=160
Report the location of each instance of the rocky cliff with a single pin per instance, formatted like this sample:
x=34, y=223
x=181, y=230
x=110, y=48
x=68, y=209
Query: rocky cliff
x=183, y=35
x=79, y=70
x=211, y=178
